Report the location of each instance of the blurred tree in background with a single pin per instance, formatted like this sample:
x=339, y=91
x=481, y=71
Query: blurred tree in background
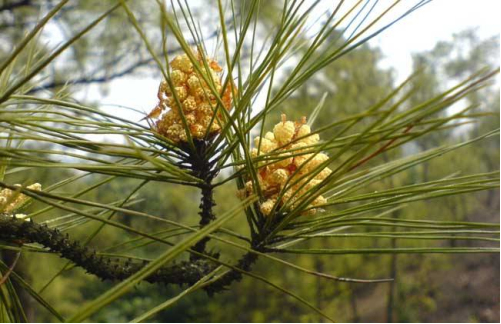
x=432, y=287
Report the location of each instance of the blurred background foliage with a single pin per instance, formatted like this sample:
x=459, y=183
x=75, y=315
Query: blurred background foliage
x=426, y=288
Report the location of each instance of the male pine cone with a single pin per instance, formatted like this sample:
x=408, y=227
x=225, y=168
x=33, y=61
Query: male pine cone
x=287, y=180
x=192, y=97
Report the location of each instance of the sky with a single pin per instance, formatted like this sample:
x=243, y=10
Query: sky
x=436, y=21
x=420, y=31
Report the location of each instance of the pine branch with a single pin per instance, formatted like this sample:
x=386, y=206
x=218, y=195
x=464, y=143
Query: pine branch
x=201, y=165
x=94, y=78
x=245, y=263
x=13, y=5
x=21, y=231
x=4, y=278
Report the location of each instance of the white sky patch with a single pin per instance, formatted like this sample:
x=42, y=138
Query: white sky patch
x=434, y=22
x=130, y=91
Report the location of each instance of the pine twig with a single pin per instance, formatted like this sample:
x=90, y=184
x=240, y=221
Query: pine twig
x=11, y=268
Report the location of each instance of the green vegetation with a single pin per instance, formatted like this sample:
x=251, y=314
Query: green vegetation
x=410, y=229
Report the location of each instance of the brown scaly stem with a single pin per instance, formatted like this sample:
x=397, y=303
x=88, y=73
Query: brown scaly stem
x=185, y=272
x=246, y=261
x=199, y=163
x=21, y=232
x=10, y=269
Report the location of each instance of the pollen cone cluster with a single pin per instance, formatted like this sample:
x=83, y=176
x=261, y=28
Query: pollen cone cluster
x=287, y=144
x=11, y=200
x=197, y=101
